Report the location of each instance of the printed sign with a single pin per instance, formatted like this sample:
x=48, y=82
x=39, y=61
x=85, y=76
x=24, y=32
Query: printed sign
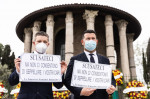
x=91, y=75
x=40, y=68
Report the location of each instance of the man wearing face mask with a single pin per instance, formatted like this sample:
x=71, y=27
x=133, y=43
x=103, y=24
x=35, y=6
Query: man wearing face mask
x=89, y=42
x=36, y=90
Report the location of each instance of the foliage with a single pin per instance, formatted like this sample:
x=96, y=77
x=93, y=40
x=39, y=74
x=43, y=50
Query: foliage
x=5, y=72
x=1, y=50
x=6, y=57
x=6, y=65
x=141, y=58
x=148, y=60
x=138, y=54
x=144, y=66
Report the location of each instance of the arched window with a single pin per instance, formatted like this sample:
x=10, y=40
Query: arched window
x=60, y=44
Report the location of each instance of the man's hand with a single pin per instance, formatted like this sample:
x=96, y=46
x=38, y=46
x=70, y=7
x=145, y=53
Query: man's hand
x=17, y=64
x=87, y=91
x=63, y=66
x=110, y=89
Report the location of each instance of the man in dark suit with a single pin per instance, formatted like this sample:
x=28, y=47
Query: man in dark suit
x=36, y=90
x=89, y=41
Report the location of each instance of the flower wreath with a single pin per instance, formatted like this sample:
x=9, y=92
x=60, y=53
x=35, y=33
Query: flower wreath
x=136, y=90
x=118, y=77
x=15, y=91
x=2, y=90
x=1, y=93
x=61, y=94
x=17, y=88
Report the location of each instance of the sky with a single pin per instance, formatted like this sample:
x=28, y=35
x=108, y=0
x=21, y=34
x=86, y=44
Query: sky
x=12, y=11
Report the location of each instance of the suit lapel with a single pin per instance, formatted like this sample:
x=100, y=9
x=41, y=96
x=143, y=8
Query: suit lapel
x=99, y=58
x=84, y=57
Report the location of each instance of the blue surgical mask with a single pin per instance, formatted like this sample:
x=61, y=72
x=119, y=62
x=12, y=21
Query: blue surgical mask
x=90, y=45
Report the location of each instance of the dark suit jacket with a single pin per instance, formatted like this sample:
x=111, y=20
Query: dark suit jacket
x=33, y=90
x=99, y=93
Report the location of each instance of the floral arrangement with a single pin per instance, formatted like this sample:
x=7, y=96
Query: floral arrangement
x=118, y=77
x=1, y=93
x=61, y=94
x=2, y=90
x=135, y=90
x=17, y=90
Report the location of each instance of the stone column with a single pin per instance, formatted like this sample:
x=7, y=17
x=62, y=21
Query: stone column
x=27, y=40
x=50, y=31
x=90, y=15
x=110, y=40
x=131, y=55
x=122, y=24
x=69, y=50
x=35, y=29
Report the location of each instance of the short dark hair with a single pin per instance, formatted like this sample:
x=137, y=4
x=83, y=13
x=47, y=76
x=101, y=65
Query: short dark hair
x=42, y=33
x=88, y=31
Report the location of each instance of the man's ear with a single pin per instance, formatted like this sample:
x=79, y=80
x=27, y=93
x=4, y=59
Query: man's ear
x=33, y=43
x=48, y=44
x=82, y=42
x=97, y=41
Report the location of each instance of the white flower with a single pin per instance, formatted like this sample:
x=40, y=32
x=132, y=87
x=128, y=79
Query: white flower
x=15, y=91
x=3, y=90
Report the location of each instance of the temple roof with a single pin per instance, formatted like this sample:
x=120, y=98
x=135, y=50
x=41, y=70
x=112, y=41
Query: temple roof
x=132, y=27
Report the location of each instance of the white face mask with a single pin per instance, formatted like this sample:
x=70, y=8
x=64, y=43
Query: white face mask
x=41, y=48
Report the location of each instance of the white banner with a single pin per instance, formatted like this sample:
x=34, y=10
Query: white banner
x=91, y=75
x=40, y=68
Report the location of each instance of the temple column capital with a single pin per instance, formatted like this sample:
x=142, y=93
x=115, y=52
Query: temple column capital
x=36, y=26
x=108, y=20
x=122, y=24
x=28, y=30
x=130, y=37
x=69, y=17
x=90, y=15
x=50, y=20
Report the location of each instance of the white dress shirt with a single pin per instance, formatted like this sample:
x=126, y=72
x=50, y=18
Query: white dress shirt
x=88, y=56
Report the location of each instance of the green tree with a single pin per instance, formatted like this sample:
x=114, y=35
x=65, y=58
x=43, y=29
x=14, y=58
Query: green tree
x=1, y=51
x=5, y=72
x=144, y=66
x=11, y=61
x=140, y=57
x=6, y=65
x=148, y=60
x=7, y=57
